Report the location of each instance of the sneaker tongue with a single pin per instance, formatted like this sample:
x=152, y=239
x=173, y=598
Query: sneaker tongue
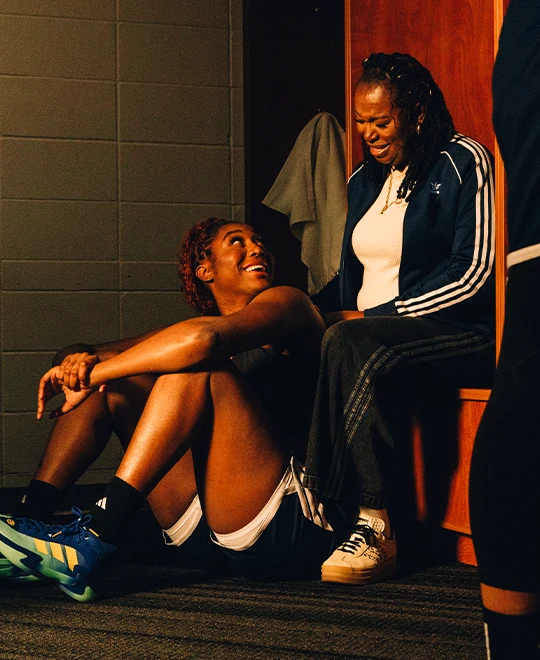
x=376, y=524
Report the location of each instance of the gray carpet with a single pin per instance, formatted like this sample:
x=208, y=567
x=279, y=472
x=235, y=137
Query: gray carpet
x=155, y=608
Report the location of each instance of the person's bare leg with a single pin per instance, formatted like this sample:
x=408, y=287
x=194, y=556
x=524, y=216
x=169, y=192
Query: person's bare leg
x=505, y=601
x=245, y=460
x=75, y=442
x=511, y=621
x=171, y=497
x=238, y=460
x=78, y=438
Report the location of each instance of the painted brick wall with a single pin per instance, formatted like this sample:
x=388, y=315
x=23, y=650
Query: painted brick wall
x=120, y=125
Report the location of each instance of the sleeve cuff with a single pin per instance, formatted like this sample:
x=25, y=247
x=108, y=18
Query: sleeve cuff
x=386, y=309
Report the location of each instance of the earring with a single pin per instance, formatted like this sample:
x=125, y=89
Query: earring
x=419, y=128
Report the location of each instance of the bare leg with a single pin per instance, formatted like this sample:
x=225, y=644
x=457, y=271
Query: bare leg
x=238, y=461
x=170, y=499
x=75, y=442
x=78, y=438
x=236, y=456
x=504, y=601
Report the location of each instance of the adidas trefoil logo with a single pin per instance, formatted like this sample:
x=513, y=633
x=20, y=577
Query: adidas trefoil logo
x=435, y=188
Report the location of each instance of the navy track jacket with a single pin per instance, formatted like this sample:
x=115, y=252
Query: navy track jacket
x=448, y=241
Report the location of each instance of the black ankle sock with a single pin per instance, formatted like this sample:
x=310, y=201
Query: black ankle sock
x=39, y=501
x=511, y=636
x=114, y=509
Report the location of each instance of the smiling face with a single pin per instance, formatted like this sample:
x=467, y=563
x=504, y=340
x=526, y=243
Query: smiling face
x=238, y=268
x=378, y=122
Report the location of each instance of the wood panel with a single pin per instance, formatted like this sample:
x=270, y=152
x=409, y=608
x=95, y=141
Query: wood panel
x=443, y=441
x=454, y=39
x=501, y=238
x=456, y=516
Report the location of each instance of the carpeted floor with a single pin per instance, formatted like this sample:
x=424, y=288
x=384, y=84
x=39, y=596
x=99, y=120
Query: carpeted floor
x=155, y=608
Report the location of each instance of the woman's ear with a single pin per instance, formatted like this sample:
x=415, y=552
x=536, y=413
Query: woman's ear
x=204, y=272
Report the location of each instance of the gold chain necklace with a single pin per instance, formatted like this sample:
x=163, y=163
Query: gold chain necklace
x=388, y=204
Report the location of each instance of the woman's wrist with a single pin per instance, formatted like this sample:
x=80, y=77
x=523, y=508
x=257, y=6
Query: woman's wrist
x=62, y=354
x=95, y=377
x=331, y=318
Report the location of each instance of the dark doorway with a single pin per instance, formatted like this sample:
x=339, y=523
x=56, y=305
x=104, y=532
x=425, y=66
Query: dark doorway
x=294, y=68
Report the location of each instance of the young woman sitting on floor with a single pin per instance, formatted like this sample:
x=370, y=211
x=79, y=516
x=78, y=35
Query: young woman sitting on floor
x=208, y=439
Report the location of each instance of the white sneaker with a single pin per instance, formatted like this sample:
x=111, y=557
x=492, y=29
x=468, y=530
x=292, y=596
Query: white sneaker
x=366, y=556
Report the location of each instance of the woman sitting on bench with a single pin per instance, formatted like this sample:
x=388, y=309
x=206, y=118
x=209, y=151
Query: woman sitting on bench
x=417, y=285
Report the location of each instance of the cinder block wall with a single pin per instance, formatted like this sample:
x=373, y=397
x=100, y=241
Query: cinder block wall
x=120, y=125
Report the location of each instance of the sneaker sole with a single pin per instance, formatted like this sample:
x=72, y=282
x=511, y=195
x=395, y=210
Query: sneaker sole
x=9, y=571
x=347, y=575
x=16, y=559
x=30, y=563
x=86, y=596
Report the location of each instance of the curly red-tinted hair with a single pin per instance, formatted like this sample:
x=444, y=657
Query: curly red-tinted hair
x=194, y=248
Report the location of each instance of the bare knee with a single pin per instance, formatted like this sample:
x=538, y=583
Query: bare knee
x=222, y=375
x=125, y=401
x=180, y=381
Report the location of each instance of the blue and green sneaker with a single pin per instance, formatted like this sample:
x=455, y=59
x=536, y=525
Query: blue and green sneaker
x=71, y=555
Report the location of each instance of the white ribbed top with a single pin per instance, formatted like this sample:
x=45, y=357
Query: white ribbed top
x=377, y=242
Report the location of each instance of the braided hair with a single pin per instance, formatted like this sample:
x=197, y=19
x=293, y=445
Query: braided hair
x=412, y=89
x=195, y=247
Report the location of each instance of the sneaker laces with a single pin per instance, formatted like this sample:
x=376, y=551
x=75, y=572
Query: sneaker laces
x=31, y=526
x=75, y=526
x=362, y=534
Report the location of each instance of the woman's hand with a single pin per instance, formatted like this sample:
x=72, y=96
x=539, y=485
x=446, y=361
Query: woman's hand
x=334, y=317
x=52, y=384
x=74, y=372
x=63, y=353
